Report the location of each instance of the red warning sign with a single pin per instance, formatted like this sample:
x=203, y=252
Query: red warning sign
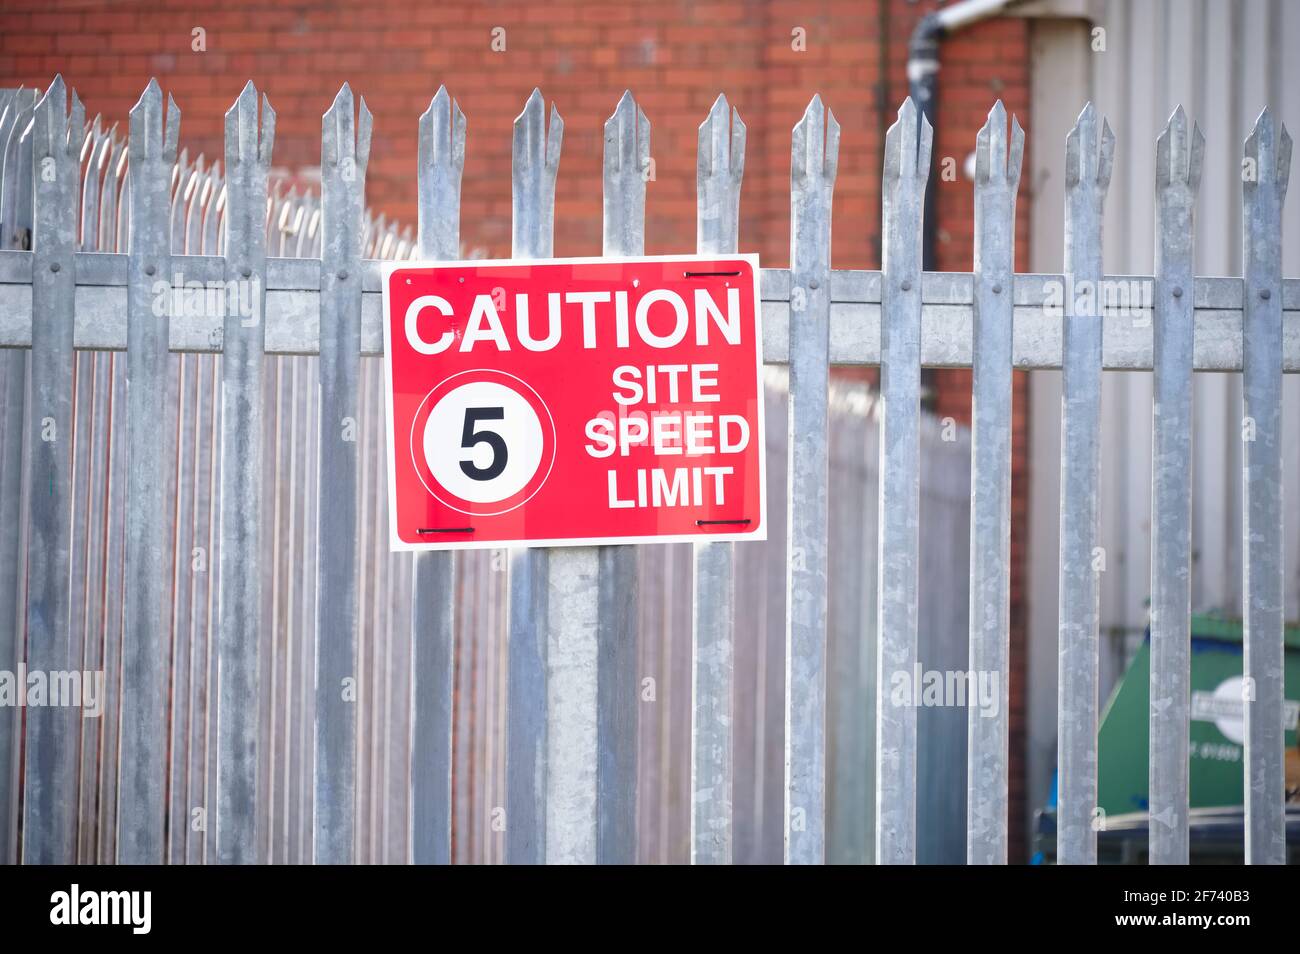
x=574, y=401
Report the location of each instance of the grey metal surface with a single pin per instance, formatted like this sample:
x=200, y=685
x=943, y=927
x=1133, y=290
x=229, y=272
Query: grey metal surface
x=1222, y=62
x=907, y=167
x=49, y=791
x=851, y=631
x=239, y=629
x=1089, y=153
x=82, y=590
x=92, y=532
x=572, y=624
x=15, y=229
x=15, y=189
x=1160, y=56
x=719, y=169
x=13, y=388
x=92, y=390
x=536, y=158
x=626, y=167
x=943, y=640
x=146, y=603
x=997, y=177
x=526, y=724
x=576, y=697
x=345, y=154
x=181, y=572
x=115, y=201
x=1265, y=172
x=442, y=161
x=571, y=576
x=814, y=155
x=293, y=326
x=1179, y=155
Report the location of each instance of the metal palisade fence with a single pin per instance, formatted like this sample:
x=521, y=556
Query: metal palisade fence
x=210, y=539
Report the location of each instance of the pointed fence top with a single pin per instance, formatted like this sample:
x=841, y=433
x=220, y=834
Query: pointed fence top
x=719, y=110
x=627, y=137
x=721, y=150
x=1269, y=146
x=242, y=130
x=93, y=143
x=62, y=128
x=442, y=132
x=1178, y=157
x=345, y=139
x=907, y=145
x=815, y=144
x=993, y=163
x=1087, y=161
x=149, y=137
x=533, y=146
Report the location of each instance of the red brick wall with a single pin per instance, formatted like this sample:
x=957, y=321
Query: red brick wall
x=675, y=55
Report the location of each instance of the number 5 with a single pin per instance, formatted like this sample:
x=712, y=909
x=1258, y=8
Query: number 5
x=470, y=438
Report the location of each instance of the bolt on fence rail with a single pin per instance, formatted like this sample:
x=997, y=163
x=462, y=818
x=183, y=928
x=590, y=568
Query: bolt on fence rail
x=76, y=194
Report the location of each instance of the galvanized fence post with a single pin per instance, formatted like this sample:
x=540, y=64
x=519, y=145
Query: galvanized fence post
x=441, y=162
x=906, y=170
x=997, y=177
x=720, y=166
x=1087, y=176
x=98, y=829
x=146, y=612
x=89, y=491
x=13, y=393
x=814, y=155
x=15, y=233
x=248, y=161
x=1178, y=175
x=626, y=167
x=185, y=190
x=15, y=226
x=49, y=805
x=113, y=212
x=345, y=152
x=536, y=158
x=1266, y=169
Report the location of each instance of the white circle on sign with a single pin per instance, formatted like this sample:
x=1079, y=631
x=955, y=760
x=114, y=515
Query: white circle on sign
x=483, y=442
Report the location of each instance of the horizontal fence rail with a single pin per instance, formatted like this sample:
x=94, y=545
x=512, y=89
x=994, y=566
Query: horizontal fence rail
x=299, y=694
x=947, y=314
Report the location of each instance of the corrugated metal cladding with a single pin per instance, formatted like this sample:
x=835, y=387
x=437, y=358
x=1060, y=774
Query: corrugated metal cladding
x=1223, y=60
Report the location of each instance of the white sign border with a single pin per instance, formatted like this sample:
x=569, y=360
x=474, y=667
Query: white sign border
x=398, y=545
